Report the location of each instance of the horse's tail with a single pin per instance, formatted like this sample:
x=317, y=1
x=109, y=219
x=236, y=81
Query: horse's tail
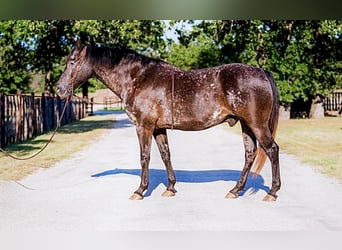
x=261, y=156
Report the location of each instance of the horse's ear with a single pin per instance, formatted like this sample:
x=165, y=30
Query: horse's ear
x=78, y=43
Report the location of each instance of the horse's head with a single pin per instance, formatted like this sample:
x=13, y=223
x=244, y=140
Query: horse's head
x=76, y=72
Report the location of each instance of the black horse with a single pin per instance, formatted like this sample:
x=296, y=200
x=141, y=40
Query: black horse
x=158, y=96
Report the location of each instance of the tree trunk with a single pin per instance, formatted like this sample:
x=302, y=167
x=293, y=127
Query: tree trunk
x=48, y=84
x=285, y=111
x=317, y=108
x=85, y=91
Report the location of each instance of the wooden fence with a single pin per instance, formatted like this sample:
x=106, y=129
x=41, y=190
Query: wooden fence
x=334, y=101
x=25, y=116
x=112, y=102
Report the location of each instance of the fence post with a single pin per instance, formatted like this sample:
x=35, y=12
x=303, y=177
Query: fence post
x=54, y=112
x=44, y=120
x=2, y=119
x=92, y=106
x=34, y=116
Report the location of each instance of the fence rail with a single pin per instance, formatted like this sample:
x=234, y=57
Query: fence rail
x=25, y=116
x=112, y=102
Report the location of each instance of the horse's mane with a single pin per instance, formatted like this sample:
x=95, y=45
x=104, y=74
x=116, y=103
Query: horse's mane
x=109, y=57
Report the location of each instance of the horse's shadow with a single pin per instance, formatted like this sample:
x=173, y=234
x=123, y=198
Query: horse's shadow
x=158, y=176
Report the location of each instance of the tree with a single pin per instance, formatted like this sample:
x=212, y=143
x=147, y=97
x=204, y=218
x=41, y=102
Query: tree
x=14, y=73
x=200, y=54
x=144, y=36
x=41, y=46
x=51, y=41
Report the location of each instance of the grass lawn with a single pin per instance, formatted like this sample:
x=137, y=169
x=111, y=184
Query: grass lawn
x=317, y=142
x=314, y=141
x=69, y=139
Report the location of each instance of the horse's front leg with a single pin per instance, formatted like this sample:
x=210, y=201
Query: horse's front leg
x=160, y=136
x=145, y=137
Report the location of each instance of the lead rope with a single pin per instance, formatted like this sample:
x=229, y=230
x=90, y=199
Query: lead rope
x=172, y=97
x=47, y=143
x=41, y=150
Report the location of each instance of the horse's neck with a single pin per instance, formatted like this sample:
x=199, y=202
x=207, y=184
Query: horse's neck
x=109, y=77
x=124, y=77
x=118, y=78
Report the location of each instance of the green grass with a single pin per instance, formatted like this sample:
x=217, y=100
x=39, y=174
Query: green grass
x=317, y=142
x=314, y=141
x=69, y=139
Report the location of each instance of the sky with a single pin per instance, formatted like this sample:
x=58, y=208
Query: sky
x=171, y=32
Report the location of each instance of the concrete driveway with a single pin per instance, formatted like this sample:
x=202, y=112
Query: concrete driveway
x=89, y=192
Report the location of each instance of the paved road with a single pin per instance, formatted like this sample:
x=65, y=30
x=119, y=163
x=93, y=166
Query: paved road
x=89, y=192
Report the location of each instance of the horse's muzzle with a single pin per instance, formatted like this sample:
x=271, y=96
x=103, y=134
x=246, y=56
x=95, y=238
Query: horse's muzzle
x=64, y=90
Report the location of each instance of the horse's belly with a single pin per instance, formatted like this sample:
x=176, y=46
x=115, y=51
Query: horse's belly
x=201, y=120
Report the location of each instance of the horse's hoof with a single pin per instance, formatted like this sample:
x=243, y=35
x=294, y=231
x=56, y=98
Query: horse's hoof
x=231, y=196
x=168, y=193
x=269, y=198
x=135, y=197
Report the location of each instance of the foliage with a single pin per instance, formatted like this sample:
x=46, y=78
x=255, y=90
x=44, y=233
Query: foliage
x=32, y=46
x=14, y=74
x=304, y=56
x=144, y=36
x=200, y=54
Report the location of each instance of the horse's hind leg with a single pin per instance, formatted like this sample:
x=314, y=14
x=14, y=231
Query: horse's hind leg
x=249, y=142
x=271, y=148
x=160, y=136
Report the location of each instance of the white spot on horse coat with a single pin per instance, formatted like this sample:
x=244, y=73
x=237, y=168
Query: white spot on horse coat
x=216, y=114
x=234, y=99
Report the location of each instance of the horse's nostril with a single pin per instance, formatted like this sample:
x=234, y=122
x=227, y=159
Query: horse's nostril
x=58, y=90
